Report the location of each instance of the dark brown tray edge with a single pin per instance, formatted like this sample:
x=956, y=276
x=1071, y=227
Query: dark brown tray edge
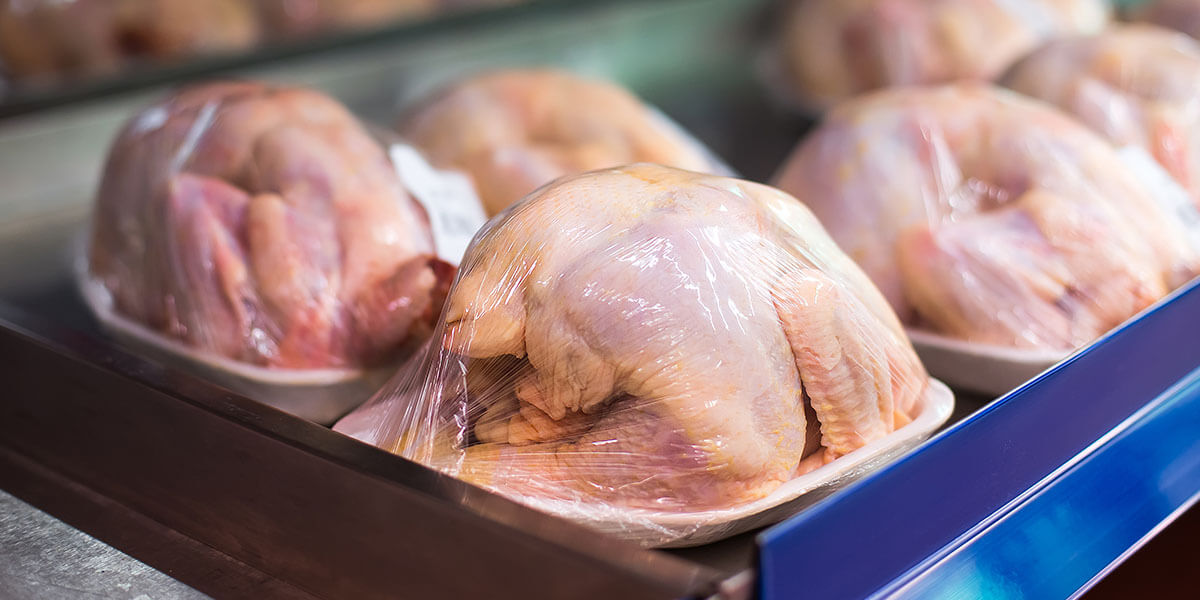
x=54, y=386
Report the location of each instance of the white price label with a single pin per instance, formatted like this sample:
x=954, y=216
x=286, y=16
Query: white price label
x=1171, y=196
x=455, y=212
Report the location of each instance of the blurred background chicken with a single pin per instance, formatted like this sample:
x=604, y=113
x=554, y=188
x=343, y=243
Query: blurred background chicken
x=989, y=217
x=516, y=130
x=835, y=49
x=1136, y=85
x=265, y=225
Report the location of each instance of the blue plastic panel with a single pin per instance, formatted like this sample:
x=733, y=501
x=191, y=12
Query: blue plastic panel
x=1085, y=520
x=1065, y=473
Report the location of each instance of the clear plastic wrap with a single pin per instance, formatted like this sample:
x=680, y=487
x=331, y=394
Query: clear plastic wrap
x=1137, y=85
x=261, y=230
x=834, y=49
x=664, y=355
x=989, y=217
x=41, y=40
x=515, y=130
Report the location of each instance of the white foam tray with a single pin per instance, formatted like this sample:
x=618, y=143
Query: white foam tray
x=669, y=529
x=319, y=395
x=683, y=529
x=994, y=370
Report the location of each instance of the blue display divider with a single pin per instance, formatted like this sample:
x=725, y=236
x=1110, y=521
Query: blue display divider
x=1038, y=495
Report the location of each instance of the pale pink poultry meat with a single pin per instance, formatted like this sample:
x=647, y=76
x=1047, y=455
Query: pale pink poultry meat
x=513, y=131
x=989, y=217
x=264, y=225
x=650, y=338
x=835, y=49
x=1136, y=85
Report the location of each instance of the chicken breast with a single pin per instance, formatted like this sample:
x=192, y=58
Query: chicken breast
x=513, y=131
x=1136, y=85
x=646, y=337
x=265, y=225
x=834, y=49
x=987, y=216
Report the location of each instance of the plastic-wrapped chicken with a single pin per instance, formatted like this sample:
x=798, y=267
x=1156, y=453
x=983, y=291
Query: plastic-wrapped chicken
x=657, y=353
x=835, y=49
x=1180, y=15
x=989, y=217
x=1137, y=85
x=264, y=225
x=46, y=38
x=513, y=131
x=301, y=17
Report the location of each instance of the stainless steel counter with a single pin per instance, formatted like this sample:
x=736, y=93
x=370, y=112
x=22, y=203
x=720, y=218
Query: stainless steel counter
x=43, y=558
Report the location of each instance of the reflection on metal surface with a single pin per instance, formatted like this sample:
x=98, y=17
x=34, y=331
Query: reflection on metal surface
x=42, y=557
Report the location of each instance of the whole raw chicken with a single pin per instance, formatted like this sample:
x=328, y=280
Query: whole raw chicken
x=513, y=131
x=1180, y=15
x=50, y=38
x=834, y=49
x=302, y=17
x=646, y=337
x=265, y=225
x=989, y=217
x=1136, y=85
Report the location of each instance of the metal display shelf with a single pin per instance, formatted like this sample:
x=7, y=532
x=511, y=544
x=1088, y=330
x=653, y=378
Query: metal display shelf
x=1036, y=496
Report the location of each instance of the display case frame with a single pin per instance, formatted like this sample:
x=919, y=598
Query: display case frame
x=238, y=499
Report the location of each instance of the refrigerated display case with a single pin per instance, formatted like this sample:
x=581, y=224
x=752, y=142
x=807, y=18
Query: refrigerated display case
x=1038, y=493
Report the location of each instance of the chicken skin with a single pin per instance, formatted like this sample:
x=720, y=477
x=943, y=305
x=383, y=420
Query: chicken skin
x=650, y=338
x=987, y=216
x=835, y=49
x=264, y=225
x=1136, y=85
x=513, y=131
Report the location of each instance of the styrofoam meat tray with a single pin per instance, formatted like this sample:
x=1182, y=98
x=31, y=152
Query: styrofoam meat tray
x=667, y=529
x=319, y=395
x=649, y=528
x=985, y=368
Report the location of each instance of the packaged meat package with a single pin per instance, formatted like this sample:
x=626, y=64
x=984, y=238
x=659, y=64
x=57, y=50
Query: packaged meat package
x=297, y=18
x=1137, y=85
x=262, y=233
x=515, y=130
x=1180, y=15
x=43, y=40
x=990, y=219
x=667, y=356
x=830, y=50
